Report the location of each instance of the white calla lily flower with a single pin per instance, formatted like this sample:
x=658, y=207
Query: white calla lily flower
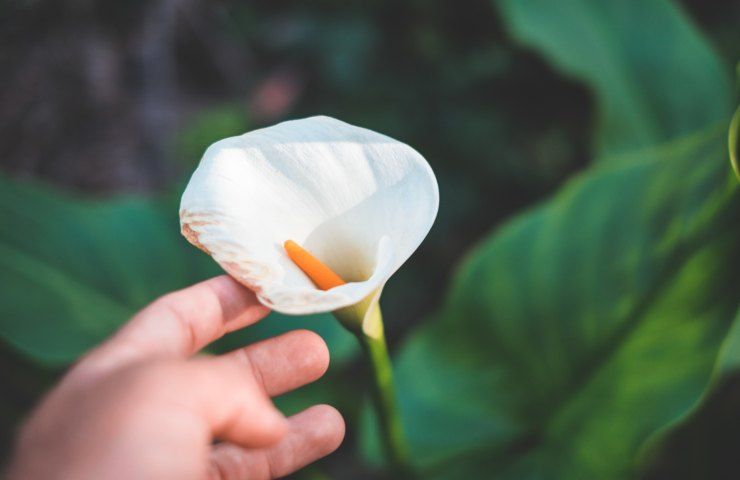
x=359, y=201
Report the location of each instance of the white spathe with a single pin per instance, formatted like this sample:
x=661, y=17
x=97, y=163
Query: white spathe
x=359, y=201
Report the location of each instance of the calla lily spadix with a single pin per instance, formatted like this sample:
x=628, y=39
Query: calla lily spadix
x=358, y=201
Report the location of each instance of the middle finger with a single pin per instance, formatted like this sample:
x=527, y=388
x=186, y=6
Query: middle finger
x=283, y=363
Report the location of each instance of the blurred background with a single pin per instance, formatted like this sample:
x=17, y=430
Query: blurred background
x=106, y=108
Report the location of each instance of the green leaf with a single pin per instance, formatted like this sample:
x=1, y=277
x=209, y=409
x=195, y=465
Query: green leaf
x=732, y=142
x=653, y=74
x=583, y=326
x=703, y=443
x=73, y=270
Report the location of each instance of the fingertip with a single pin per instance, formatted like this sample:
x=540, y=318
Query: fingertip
x=314, y=433
x=315, y=353
x=252, y=310
x=335, y=418
x=328, y=427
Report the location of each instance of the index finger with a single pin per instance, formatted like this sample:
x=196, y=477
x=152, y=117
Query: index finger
x=183, y=322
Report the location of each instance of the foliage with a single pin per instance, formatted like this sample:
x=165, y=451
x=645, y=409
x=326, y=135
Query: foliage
x=74, y=270
x=592, y=322
x=594, y=335
x=589, y=322
x=654, y=74
x=704, y=443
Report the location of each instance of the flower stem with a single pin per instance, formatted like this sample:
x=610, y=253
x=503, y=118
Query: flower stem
x=372, y=339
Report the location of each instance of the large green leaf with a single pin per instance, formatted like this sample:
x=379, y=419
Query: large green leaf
x=73, y=270
x=583, y=326
x=704, y=443
x=653, y=74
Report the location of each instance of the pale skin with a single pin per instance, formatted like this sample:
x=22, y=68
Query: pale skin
x=146, y=405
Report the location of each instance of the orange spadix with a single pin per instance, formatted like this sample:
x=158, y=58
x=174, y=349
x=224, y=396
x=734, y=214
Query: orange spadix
x=321, y=275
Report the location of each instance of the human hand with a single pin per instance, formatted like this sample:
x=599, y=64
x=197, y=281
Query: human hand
x=143, y=406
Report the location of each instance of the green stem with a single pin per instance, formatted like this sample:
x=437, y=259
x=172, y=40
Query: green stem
x=370, y=334
x=384, y=399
